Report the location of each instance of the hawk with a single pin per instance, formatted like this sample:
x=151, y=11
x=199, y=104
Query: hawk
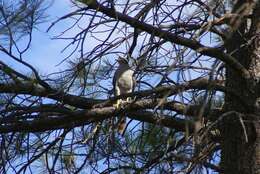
x=123, y=83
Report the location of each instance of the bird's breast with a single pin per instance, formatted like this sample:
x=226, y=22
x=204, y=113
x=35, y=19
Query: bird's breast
x=125, y=80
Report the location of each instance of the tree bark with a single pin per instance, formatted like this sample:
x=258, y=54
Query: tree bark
x=241, y=131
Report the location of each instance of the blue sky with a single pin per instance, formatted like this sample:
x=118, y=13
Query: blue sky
x=45, y=53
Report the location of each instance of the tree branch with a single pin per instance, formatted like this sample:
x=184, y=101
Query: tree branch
x=78, y=118
x=171, y=37
x=88, y=103
x=36, y=90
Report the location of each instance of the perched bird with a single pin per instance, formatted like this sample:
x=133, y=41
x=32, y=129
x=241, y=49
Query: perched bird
x=123, y=83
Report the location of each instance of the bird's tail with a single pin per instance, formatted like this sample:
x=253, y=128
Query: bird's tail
x=121, y=125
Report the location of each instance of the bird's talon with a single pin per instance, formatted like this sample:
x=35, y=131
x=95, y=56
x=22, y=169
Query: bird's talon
x=128, y=99
x=118, y=103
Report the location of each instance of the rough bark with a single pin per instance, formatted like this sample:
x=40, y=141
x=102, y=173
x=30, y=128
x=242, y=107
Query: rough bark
x=241, y=134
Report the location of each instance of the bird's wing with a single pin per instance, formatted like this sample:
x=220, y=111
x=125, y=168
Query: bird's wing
x=114, y=83
x=115, y=79
x=134, y=82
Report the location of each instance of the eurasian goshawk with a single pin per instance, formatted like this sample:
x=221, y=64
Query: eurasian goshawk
x=123, y=82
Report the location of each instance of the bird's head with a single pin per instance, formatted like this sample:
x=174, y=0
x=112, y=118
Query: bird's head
x=122, y=61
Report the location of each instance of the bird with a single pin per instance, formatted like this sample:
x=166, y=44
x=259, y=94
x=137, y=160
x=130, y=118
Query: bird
x=123, y=83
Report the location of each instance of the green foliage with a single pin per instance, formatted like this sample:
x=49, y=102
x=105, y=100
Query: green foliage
x=68, y=159
x=149, y=139
x=19, y=18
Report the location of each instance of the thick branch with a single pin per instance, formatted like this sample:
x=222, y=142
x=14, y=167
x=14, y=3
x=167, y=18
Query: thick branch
x=55, y=116
x=79, y=118
x=36, y=90
x=166, y=91
x=163, y=120
x=87, y=103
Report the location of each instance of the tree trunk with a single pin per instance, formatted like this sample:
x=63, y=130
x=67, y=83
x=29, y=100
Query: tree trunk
x=241, y=132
